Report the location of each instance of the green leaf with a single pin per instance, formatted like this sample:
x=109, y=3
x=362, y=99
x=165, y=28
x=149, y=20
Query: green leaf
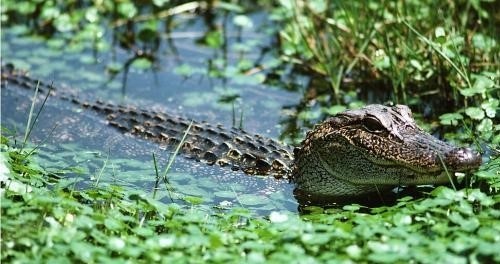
x=92, y=15
x=309, y=115
x=278, y=217
x=381, y=60
x=185, y=70
x=114, y=67
x=113, y=224
x=490, y=107
x=354, y=251
x=475, y=113
x=26, y=7
x=160, y=3
x=495, y=141
x=352, y=207
x=63, y=23
x=142, y=63
x=166, y=240
x=450, y=119
x=216, y=240
x=83, y=251
x=486, y=125
x=402, y=219
x=127, y=9
x=440, y=35
x=335, y=109
x=468, y=92
x=483, y=42
x=416, y=64
x=144, y=232
x=116, y=244
x=56, y=43
x=214, y=39
x=50, y=12
x=288, y=4
x=193, y=199
x=242, y=21
x=317, y=6
x=482, y=83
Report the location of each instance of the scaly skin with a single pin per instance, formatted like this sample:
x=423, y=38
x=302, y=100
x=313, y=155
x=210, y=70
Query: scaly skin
x=375, y=147
x=351, y=154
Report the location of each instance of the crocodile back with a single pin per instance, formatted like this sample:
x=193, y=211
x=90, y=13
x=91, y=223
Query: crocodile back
x=205, y=142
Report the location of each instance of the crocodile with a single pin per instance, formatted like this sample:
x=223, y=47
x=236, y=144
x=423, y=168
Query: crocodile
x=353, y=153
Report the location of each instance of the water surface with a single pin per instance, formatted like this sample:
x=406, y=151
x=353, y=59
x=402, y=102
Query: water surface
x=80, y=145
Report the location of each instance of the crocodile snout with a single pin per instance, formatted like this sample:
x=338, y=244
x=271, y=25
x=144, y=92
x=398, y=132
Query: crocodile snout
x=462, y=159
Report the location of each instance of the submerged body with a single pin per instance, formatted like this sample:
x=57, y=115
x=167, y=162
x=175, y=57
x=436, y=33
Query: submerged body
x=351, y=154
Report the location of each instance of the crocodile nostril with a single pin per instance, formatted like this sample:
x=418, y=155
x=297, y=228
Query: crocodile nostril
x=460, y=159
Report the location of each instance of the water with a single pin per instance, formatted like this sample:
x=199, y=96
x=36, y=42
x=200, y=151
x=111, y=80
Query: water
x=88, y=152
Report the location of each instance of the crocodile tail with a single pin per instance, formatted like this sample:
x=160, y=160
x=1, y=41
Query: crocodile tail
x=211, y=143
x=19, y=78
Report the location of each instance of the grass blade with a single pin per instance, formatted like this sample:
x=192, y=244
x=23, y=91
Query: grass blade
x=30, y=125
x=177, y=149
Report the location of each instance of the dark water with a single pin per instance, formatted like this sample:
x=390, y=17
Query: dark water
x=87, y=151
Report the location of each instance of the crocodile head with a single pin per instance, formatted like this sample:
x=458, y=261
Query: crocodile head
x=376, y=147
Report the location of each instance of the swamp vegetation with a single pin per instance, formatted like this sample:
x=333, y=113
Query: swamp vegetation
x=73, y=191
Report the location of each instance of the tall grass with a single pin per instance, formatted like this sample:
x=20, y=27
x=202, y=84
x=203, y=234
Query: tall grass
x=393, y=41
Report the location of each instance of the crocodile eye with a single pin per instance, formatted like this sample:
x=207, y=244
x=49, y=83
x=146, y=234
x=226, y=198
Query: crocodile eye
x=373, y=125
